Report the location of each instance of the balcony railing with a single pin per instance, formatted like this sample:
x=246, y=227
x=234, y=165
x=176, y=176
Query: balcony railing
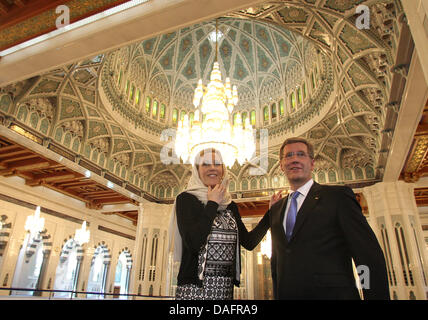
x=45, y=294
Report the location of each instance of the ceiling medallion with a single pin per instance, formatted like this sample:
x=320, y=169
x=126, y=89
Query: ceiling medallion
x=212, y=127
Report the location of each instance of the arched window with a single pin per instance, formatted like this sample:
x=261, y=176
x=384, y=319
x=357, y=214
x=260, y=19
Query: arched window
x=387, y=250
x=76, y=144
x=98, y=273
x=273, y=111
x=162, y=111
x=253, y=117
x=127, y=88
x=275, y=182
x=161, y=192
x=155, y=109
x=244, y=117
x=148, y=104
x=321, y=177
x=235, y=116
x=168, y=192
x=305, y=93
x=231, y=186
x=131, y=94
x=281, y=107
x=120, y=78
x=299, y=95
x=122, y=274
x=293, y=101
x=5, y=228
x=347, y=173
x=175, y=191
x=253, y=184
x=34, y=119
x=153, y=258
x=58, y=134
x=359, y=173
x=331, y=176
x=67, y=139
x=22, y=113
x=137, y=97
x=142, y=272
x=266, y=114
x=30, y=265
x=369, y=172
x=67, y=272
x=174, y=116
x=404, y=255
x=263, y=183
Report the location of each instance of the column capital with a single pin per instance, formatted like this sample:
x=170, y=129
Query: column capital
x=386, y=198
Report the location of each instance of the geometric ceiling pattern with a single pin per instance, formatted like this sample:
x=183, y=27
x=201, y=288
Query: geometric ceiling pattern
x=362, y=62
x=309, y=47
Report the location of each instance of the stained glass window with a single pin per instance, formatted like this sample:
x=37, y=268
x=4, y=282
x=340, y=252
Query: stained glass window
x=253, y=117
x=162, y=111
x=266, y=113
x=174, y=115
x=244, y=116
x=155, y=108
x=305, y=93
x=137, y=97
x=273, y=110
x=281, y=107
x=293, y=100
x=148, y=104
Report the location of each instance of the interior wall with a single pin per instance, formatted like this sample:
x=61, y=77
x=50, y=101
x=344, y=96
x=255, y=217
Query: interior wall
x=63, y=216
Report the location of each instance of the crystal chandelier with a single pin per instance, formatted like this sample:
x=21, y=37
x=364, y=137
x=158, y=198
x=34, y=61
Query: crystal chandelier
x=82, y=235
x=34, y=223
x=266, y=245
x=212, y=127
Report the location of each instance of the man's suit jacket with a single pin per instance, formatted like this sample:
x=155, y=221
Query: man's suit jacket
x=330, y=229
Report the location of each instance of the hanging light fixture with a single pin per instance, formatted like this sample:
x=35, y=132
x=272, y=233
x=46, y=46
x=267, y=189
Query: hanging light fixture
x=82, y=235
x=34, y=223
x=266, y=245
x=212, y=126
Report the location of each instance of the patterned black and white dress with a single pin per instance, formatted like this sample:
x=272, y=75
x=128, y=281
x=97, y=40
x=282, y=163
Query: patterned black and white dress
x=217, y=262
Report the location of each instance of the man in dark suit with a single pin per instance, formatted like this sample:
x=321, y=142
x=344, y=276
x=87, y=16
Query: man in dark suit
x=316, y=232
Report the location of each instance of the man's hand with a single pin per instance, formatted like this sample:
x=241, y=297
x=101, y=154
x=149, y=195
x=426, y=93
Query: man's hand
x=275, y=198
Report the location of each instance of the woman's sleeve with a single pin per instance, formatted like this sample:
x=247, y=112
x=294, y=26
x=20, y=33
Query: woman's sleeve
x=249, y=240
x=194, y=220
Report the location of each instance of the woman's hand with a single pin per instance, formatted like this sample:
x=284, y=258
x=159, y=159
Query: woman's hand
x=275, y=198
x=216, y=193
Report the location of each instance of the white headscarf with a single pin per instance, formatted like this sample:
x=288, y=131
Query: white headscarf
x=196, y=187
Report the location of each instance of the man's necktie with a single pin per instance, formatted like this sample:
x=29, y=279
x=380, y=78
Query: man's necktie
x=291, y=216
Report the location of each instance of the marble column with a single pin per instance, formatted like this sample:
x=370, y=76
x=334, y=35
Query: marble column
x=395, y=219
x=136, y=255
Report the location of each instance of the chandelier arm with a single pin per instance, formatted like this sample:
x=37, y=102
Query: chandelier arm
x=216, y=39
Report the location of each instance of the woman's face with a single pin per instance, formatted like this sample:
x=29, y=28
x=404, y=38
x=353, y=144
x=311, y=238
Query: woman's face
x=211, y=169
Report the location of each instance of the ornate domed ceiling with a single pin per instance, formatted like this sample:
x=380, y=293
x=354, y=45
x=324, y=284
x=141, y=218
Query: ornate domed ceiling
x=265, y=62
x=302, y=68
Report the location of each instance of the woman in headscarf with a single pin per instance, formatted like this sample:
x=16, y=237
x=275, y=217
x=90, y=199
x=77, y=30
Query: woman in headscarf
x=208, y=232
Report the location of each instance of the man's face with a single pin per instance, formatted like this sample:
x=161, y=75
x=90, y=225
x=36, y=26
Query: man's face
x=296, y=164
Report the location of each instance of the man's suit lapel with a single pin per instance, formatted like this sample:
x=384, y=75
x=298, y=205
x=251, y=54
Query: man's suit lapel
x=307, y=207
